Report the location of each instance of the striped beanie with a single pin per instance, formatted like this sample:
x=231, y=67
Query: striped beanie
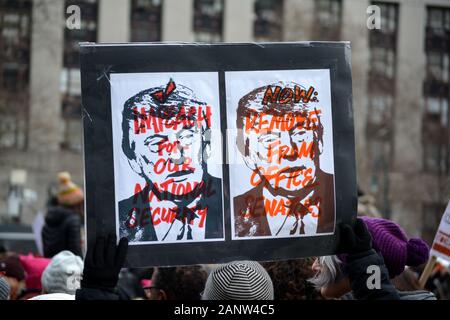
x=4, y=289
x=63, y=274
x=239, y=280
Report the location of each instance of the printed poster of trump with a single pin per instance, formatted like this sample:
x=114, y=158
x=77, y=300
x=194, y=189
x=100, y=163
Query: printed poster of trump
x=210, y=153
x=282, y=182
x=168, y=182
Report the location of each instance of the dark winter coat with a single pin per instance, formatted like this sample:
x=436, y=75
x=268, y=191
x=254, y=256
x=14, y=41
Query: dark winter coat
x=61, y=232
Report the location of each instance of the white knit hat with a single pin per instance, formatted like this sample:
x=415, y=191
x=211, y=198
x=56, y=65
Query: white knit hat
x=239, y=280
x=63, y=274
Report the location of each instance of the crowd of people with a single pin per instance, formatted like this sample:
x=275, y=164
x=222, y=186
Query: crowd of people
x=65, y=273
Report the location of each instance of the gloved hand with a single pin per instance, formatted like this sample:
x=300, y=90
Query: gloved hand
x=354, y=240
x=103, y=263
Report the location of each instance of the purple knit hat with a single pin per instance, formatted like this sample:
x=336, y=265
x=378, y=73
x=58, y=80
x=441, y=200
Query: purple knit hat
x=389, y=239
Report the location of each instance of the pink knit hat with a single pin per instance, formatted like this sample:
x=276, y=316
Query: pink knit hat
x=146, y=283
x=34, y=267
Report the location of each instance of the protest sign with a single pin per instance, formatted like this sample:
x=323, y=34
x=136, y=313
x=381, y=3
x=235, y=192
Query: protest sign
x=284, y=116
x=441, y=243
x=213, y=153
x=440, y=247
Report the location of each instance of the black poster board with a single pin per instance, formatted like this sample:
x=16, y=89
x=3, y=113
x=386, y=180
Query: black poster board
x=107, y=74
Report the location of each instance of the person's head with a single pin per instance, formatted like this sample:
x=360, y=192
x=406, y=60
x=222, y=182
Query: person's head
x=34, y=267
x=12, y=270
x=63, y=274
x=69, y=194
x=280, y=138
x=177, y=283
x=146, y=285
x=52, y=195
x=128, y=286
x=366, y=206
x=388, y=239
x=166, y=137
x=394, y=245
x=239, y=280
x=290, y=279
x=329, y=277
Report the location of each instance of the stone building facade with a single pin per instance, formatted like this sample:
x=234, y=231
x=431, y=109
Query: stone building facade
x=401, y=85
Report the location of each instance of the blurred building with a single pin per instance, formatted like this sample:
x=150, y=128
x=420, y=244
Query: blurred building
x=401, y=86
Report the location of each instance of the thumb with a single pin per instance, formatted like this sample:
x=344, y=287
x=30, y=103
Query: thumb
x=360, y=229
x=347, y=237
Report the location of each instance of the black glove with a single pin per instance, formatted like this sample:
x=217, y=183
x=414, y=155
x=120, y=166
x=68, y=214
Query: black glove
x=354, y=240
x=103, y=263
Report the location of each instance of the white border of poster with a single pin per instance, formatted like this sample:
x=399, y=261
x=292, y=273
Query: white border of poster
x=205, y=86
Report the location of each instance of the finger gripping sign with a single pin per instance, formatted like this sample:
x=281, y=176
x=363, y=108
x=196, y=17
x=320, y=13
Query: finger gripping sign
x=212, y=153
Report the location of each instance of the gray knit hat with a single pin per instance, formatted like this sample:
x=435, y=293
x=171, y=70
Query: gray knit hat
x=239, y=280
x=4, y=288
x=63, y=274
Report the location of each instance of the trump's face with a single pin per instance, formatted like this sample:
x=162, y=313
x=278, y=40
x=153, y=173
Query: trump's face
x=171, y=159
x=282, y=149
x=169, y=152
